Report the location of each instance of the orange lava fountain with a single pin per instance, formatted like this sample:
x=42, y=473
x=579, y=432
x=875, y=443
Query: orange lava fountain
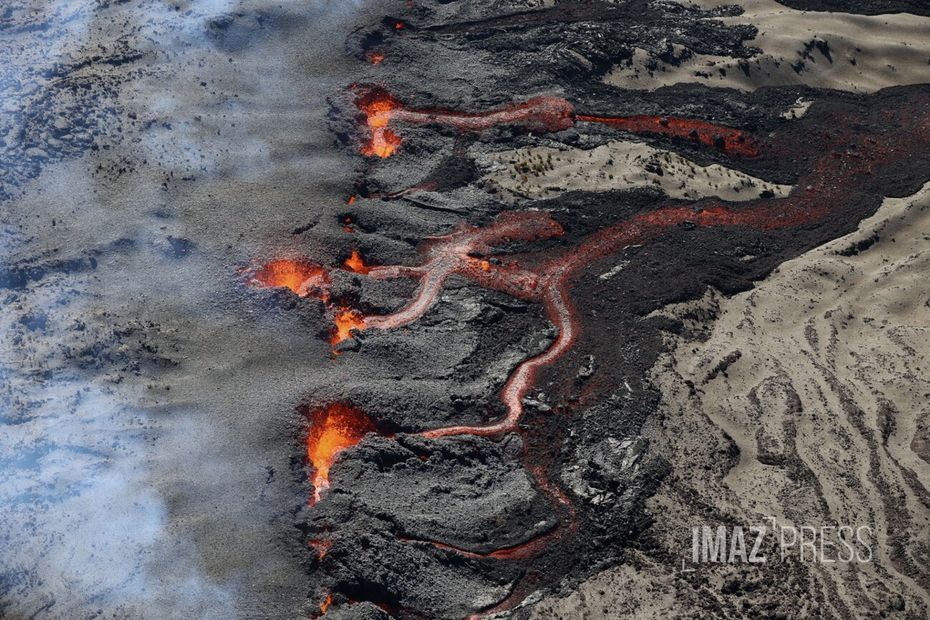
x=378, y=106
x=333, y=428
x=301, y=277
x=356, y=263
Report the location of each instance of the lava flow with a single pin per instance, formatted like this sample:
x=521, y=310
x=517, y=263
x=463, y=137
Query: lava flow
x=726, y=139
x=544, y=114
x=829, y=187
x=843, y=173
x=333, y=428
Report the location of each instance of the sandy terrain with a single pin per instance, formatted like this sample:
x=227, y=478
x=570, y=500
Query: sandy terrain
x=544, y=172
x=858, y=53
x=805, y=400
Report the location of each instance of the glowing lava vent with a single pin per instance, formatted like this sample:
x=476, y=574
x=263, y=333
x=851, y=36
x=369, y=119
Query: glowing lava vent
x=378, y=105
x=345, y=320
x=301, y=277
x=333, y=428
x=356, y=263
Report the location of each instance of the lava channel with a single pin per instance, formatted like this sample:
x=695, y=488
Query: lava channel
x=544, y=114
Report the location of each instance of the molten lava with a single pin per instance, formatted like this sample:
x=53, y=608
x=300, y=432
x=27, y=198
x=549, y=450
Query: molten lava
x=345, y=321
x=301, y=277
x=845, y=166
x=374, y=57
x=378, y=105
x=729, y=140
x=333, y=428
x=539, y=114
x=322, y=546
x=356, y=264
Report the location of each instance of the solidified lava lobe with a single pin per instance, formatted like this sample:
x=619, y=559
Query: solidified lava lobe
x=333, y=428
x=301, y=277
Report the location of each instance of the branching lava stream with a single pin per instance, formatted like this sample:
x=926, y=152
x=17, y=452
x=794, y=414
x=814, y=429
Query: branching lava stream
x=847, y=164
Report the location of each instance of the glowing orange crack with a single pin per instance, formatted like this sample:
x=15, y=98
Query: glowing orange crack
x=345, y=320
x=321, y=546
x=324, y=606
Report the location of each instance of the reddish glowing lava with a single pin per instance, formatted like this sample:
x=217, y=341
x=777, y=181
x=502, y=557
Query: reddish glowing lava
x=333, y=428
x=301, y=277
x=539, y=114
x=824, y=189
x=322, y=546
x=345, y=320
x=374, y=57
x=378, y=106
x=727, y=139
x=356, y=263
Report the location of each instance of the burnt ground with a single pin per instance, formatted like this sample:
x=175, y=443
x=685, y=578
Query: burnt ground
x=154, y=152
